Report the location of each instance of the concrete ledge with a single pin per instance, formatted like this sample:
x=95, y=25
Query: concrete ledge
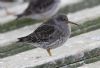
x=76, y=49
x=81, y=63
x=92, y=65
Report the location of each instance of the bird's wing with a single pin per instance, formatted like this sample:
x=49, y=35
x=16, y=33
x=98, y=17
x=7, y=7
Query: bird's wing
x=45, y=33
x=29, y=10
x=37, y=6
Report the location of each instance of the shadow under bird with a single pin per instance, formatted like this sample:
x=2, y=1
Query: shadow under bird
x=39, y=9
x=51, y=34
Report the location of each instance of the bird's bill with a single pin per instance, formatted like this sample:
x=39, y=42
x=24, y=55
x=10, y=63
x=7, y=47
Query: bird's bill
x=73, y=23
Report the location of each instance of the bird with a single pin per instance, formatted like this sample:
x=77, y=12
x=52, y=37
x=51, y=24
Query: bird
x=51, y=34
x=39, y=9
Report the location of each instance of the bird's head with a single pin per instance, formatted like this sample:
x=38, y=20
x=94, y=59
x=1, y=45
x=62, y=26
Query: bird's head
x=63, y=17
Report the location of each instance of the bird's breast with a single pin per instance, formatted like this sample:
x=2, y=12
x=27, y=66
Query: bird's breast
x=64, y=28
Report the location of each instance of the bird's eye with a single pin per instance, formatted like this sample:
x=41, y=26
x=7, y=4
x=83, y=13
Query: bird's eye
x=63, y=18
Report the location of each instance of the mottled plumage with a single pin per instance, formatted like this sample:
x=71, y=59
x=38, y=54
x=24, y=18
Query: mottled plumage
x=50, y=34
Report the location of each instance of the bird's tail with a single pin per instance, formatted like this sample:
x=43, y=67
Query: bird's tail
x=22, y=39
x=27, y=39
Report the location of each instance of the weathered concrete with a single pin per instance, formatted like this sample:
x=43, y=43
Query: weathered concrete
x=92, y=65
x=11, y=36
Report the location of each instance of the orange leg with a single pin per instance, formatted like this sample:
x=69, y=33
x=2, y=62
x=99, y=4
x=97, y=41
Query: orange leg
x=49, y=52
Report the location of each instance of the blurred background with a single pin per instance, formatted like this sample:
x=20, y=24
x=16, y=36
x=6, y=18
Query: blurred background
x=84, y=12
